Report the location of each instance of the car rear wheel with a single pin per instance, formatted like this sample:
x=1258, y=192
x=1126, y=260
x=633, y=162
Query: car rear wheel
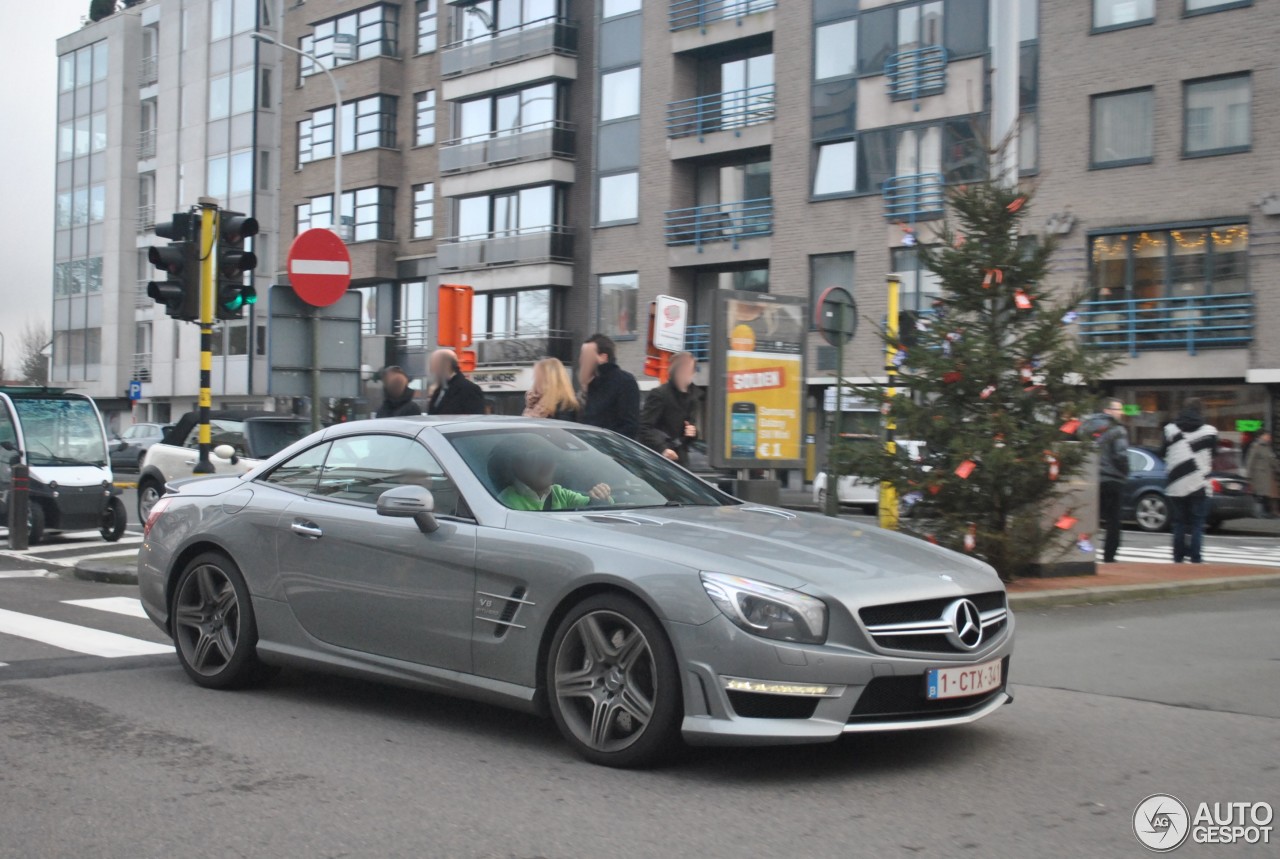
x=213, y=624
x=149, y=492
x=614, y=691
x=1152, y=513
x=35, y=523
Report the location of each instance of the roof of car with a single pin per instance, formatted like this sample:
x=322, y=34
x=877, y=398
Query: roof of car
x=178, y=434
x=451, y=422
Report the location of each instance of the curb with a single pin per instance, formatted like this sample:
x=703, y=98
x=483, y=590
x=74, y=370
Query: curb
x=107, y=574
x=1124, y=593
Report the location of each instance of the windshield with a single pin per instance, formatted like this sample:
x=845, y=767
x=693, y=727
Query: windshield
x=61, y=432
x=570, y=469
x=271, y=437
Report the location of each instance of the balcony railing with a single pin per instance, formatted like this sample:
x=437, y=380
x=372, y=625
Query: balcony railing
x=722, y=111
x=532, y=39
x=917, y=72
x=697, y=341
x=146, y=217
x=720, y=222
x=1190, y=322
x=913, y=197
x=141, y=300
x=142, y=366
x=146, y=143
x=523, y=347
x=507, y=248
x=148, y=70
x=529, y=143
x=700, y=13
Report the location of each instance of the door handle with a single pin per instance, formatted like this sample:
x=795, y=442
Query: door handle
x=306, y=529
x=189, y=462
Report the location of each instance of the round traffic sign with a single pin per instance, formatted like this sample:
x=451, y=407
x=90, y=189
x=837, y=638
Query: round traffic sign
x=319, y=267
x=836, y=315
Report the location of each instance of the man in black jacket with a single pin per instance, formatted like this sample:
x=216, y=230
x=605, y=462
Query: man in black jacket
x=668, y=423
x=1113, y=472
x=455, y=394
x=613, y=397
x=397, y=397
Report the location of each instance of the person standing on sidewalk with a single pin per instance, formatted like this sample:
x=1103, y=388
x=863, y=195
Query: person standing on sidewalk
x=1260, y=465
x=668, y=422
x=1113, y=472
x=613, y=397
x=1188, y=449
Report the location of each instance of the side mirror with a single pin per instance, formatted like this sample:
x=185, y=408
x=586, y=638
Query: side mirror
x=226, y=451
x=410, y=502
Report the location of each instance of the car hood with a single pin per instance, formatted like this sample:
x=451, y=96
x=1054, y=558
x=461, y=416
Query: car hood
x=803, y=551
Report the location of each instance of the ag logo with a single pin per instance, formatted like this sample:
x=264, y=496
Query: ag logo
x=1161, y=822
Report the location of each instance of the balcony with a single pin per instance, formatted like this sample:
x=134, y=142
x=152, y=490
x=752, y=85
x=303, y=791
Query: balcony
x=506, y=248
x=522, y=347
x=916, y=73
x=529, y=143
x=533, y=39
x=686, y=14
x=146, y=218
x=142, y=366
x=697, y=341
x=141, y=300
x=1190, y=322
x=146, y=144
x=913, y=198
x=148, y=70
x=722, y=111
x=720, y=222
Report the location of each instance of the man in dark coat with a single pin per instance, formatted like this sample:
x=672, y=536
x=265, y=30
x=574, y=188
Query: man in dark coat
x=668, y=423
x=397, y=397
x=455, y=394
x=613, y=397
x=1113, y=472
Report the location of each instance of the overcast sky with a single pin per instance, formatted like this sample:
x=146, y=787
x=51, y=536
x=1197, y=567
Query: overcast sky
x=28, y=103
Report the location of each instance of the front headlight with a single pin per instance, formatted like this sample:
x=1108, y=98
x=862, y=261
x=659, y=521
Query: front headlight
x=768, y=610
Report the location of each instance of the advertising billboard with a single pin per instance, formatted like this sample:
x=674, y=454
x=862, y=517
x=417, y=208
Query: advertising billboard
x=757, y=380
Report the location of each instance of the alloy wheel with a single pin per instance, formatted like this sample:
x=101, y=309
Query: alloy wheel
x=207, y=620
x=1151, y=513
x=605, y=681
x=148, y=495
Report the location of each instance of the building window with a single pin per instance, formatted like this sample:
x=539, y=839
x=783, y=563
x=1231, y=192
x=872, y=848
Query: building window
x=1197, y=7
x=1186, y=262
x=97, y=203
x=1216, y=115
x=523, y=110
x=614, y=8
x=230, y=175
x=620, y=94
x=835, y=50
x=1122, y=128
x=368, y=123
x=231, y=94
x=827, y=271
x=512, y=313
x=920, y=287
x=424, y=210
x=264, y=91
x=528, y=210
x=919, y=24
x=619, y=198
x=1112, y=14
x=411, y=318
x=619, y=295
x=369, y=212
x=231, y=16
x=427, y=26
x=425, y=121
x=369, y=32
x=836, y=169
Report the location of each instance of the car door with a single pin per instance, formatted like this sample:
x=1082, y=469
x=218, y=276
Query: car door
x=220, y=432
x=378, y=584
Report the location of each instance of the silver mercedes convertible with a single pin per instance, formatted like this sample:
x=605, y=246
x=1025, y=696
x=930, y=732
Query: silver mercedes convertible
x=561, y=569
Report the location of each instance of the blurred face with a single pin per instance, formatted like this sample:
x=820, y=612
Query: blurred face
x=440, y=367
x=590, y=356
x=1116, y=410
x=537, y=471
x=682, y=374
x=394, y=383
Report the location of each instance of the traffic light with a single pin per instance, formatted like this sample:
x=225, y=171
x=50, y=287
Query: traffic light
x=231, y=294
x=179, y=292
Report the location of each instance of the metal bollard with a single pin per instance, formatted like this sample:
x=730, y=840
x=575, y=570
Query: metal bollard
x=18, y=501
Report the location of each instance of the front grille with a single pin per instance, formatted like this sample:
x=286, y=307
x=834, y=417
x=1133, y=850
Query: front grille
x=754, y=705
x=906, y=612
x=900, y=698
x=935, y=643
x=926, y=630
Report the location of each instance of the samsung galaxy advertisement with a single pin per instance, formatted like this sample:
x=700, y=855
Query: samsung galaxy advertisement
x=758, y=388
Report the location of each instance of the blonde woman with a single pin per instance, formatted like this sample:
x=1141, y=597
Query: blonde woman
x=552, y=393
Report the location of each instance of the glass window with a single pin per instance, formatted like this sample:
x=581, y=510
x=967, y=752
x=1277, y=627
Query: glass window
x=836, y=169
x=1122, y=13
x=67, y=72
x=360, y=468
x=1217, y=115
x=369, y=123
x=613, y=8
x=62, y=209
x=83, y=136
x=827, y=271
x=966, y=31
x=219, y=19
x=620, y=94
x=371, y=212
x=84, y=66
x=217, y=177
x=98, y=132
x=877, y=39
x=835, y=50
x=920, y=287
x=220, y=97
x=1184, y=262
x=425, y=118
x=1211, y=5
x=66, y=140
x=67, y=431
x=301, y=472
x=97, y=203
x=369, y=32
x=619, y=198
x=919, y=25
x=242, y=91
x=100, y=61
x=619, y=294
x=1122, y=130
x=80, y=206
x=427, y=26
x=424, y=210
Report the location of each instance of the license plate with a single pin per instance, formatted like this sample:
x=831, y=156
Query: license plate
x=963, y=681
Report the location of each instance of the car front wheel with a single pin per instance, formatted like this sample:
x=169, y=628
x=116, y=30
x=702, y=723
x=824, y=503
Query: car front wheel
x=1152, y=513
x=613, y=687
x=149, y=492
x=213, y=624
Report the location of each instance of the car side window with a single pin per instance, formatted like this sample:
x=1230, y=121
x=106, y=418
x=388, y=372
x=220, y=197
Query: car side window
x=1138, y=462
x=193, y=437
x=361, y=468
x=300, y=473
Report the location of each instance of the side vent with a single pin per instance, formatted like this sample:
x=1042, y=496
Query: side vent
x=509, y=612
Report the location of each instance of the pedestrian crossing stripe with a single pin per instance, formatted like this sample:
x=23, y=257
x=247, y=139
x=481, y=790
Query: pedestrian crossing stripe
x=129, y=606
x=76, y=638
x=48, y=548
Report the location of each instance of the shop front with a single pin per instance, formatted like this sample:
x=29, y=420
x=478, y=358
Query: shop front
x=1237, y=411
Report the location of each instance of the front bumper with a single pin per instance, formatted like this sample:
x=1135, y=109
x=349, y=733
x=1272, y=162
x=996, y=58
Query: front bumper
x=866, y=691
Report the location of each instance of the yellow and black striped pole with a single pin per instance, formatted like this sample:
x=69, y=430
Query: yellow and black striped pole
x=888, y=507
x=208, y=275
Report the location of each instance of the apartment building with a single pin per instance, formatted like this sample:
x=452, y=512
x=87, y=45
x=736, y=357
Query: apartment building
x=159, y=105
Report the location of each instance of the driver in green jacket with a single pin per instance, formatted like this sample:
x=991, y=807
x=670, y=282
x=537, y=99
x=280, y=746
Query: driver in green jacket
x=532, y=487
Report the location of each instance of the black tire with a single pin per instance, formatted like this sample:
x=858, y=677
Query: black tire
x=35, y=522
x=1151, y=513
x=616, y=689
x=141, y=457
x=114, y=520
x=213, y=626
x=147, y=487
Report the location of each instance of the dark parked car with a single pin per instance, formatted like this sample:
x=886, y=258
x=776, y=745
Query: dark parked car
x=128, y=448
x=1145, y=504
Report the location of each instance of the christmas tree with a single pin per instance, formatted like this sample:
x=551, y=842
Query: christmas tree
x=993, y=381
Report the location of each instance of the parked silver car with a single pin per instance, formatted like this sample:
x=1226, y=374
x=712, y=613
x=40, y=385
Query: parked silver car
x=561, y=569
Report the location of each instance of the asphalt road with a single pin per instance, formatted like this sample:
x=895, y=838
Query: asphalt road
x=126, y=758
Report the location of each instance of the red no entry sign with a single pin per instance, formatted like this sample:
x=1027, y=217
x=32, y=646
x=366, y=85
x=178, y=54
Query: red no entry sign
x=319, y=267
